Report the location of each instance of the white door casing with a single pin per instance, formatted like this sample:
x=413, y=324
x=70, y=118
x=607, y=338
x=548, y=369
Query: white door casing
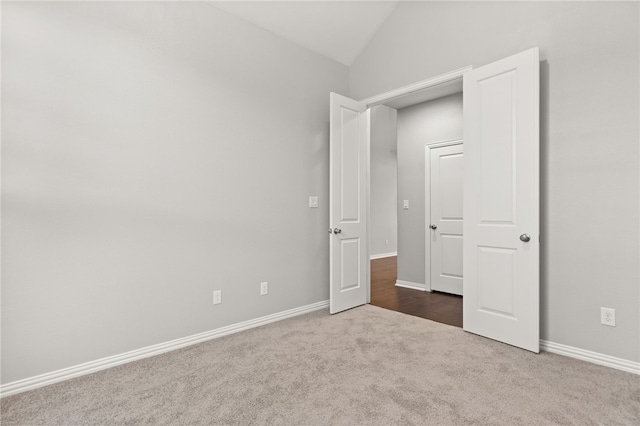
x=501, y=200
x=445, y=217
x=348, y=210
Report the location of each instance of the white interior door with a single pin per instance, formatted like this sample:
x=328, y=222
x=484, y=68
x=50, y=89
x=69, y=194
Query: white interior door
x=445, y=211
x=501, y=200
x=349, y=159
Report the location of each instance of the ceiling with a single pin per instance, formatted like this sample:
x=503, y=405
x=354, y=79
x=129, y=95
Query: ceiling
x=339, y=30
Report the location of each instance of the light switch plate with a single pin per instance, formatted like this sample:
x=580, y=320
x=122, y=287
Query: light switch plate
x=313, y=202
x=405, y=204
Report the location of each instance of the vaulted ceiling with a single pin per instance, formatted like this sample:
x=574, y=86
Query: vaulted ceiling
x=339, y=30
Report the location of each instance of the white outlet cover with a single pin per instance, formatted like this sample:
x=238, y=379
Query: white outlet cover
x=608, y=317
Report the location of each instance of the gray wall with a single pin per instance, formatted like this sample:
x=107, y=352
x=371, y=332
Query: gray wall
x=153, y=153
x=589, y=140
x=419, y=125
x=384, y=181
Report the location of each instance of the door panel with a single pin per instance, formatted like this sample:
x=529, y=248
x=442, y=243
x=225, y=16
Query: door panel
x=501, y=201
x=496, y=284
x=451, y=255
x=349, y=159
x=445, y=210
x=349, y=263
x=350, y=166
x=496, y=147
x=450, y=177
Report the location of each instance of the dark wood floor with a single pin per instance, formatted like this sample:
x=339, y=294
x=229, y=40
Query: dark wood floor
x=436, y=306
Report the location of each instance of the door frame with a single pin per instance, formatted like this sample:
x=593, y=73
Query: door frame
x=402, y=97
x=427, y=205
x=421, y=91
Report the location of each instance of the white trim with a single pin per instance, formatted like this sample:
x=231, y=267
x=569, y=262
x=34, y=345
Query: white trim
x=368, y=203
x=442, y=79
x=592, y=357
x=112, y=361
x=409, y=284
x=383, y=255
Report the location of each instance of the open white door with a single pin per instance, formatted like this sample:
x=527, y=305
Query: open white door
x=349, y=158
x=501, y=201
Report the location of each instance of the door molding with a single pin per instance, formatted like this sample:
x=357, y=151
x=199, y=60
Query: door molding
x=421, y=91
x=427, y=204
x=411, y=285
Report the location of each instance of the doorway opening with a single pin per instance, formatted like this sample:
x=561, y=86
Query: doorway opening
x=402, y=209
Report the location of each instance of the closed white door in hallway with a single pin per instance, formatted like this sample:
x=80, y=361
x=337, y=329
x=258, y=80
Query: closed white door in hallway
x=446, y=173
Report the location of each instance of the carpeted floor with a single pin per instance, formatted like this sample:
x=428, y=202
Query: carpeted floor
x=366, y=366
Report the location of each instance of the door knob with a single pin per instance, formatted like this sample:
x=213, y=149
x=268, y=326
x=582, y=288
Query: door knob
x=337, y=231
x=330, y=230
x=525, y=238
x=433, y=226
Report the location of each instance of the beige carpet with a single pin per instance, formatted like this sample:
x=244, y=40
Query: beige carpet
x=366, y=366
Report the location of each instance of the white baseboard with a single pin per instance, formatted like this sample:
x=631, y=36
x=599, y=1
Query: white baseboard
x=409, y=284
x=112, y=361
x=589, y=356
x=383, y=255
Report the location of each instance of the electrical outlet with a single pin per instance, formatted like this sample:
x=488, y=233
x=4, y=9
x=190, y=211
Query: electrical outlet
x=264, y=288
x=608, y=316
x=217, y=297
x=386, y=242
